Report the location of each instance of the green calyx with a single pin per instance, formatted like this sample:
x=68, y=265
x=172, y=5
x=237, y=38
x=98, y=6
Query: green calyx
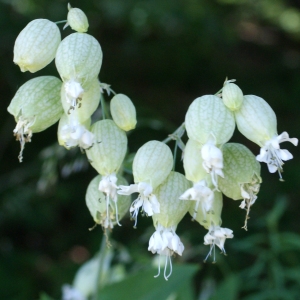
x=172, y=209
x=97, y=204
x=108, y=152
x=241, y=171
x=213, y=217
x=152, y=163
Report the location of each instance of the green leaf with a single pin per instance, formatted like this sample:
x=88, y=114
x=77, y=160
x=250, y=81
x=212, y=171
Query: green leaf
x=143, y=285
x=229, y=287
x=44, y=296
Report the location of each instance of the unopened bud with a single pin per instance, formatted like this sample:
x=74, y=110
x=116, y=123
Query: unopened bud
x=123, y=112
x=232, y=96
x=77, y=19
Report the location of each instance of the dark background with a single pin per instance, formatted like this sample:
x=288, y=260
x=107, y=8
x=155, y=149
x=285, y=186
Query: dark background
x=162, y=54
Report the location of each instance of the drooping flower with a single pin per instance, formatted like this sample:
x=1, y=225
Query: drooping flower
x=206, y=218
x=209, y=122
x=217, y=236
x=257, y=121
x=241, y=176
x=105, y=206
x=212, y=160
x=151, y=166
x=165, y=241
x=146, y=200
x=71, y=133
x=80, y=104
x=200, y=193
x=273, y=156
x=35, y=106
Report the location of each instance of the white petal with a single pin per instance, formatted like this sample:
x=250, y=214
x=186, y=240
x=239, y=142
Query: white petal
x=128, y=190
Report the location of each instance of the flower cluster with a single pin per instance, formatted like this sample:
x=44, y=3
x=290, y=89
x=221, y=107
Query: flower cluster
x=212, y=165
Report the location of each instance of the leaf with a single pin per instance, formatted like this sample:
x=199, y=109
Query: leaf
x=44, y=296
x=143, y=286
x=229, y=287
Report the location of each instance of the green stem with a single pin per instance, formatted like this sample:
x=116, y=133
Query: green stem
x=175, y=154
x=102, y=106
x=113, y=91
x=59, y=22
x=174, y=135
x=102, y=255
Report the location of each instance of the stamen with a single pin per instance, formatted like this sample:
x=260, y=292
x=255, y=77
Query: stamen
x=158, y=267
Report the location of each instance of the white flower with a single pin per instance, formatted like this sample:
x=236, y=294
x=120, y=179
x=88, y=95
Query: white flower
x=164, y=241
x=108, y=186
x=273, y=156
x=23, y=133
x=75, y=134
x=146, y=199
x=249, y=193
x=212, y=160
x=201, y=193
x=71, y=293
x=217, y=236
x=73, y=91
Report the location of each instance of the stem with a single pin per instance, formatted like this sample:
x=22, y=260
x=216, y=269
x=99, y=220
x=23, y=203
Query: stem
x=176, y=134
x=102, y=254
x=113, y=91
x=175, y=154
x=102, y=106
x=59, y=22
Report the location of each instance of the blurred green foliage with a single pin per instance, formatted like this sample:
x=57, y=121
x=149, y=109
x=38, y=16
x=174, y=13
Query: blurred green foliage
x=162, y=54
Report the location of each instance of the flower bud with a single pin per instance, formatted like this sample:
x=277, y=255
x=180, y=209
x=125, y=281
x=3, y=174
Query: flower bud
x=232, y=96
x=79, y=57
x=81, y=108
x=172, y=210
x=152, y=163
x=77, y=19
x=213, y=217
x=36, y=45
x=36, y=106
x=108, y=152
x=208, y=116
x=99, y=208
x=123, y=112
x=193, y=162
